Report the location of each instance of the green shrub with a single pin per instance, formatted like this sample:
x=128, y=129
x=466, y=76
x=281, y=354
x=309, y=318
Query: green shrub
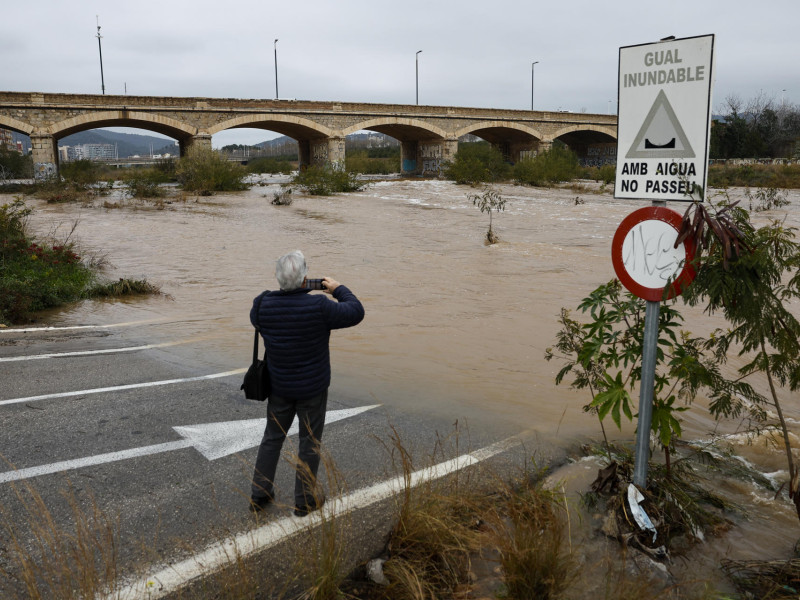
x=557, y=164
x=768, y=198
x=361, y=162
x=608, y=173
x=269, y=165
x=34, y=276
x=765, y=176
x=204, y=171
x=55, y=191
x=80, y=172
x=145, y=183
x=122, y=287
x=14, y=165
x=477, y=162
x=167, y=167
x=76, y=181
x=326, y=180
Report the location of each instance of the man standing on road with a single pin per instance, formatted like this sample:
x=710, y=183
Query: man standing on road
x=296, y=328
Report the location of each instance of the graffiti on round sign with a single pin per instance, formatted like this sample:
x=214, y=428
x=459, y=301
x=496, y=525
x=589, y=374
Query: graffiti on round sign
x=644, y=254
x=649, y=255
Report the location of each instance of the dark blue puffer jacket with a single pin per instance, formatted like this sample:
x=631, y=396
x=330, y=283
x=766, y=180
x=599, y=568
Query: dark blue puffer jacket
x=296, y=328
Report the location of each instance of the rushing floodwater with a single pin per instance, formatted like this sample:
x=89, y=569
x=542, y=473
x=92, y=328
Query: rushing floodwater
x=453, y=327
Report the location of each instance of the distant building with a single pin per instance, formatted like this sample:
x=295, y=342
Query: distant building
x=88, y=152
x=7, y=140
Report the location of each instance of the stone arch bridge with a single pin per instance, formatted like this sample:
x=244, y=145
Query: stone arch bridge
x=428, y=134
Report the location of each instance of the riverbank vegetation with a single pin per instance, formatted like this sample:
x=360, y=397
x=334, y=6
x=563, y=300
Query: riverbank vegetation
x=14, y=165
x=272, y=165
x=374, y=161
x=754, y=175
x=37, y=274
x=758, y=128
x=326, y=180
x=479, y=162
x=204, y=171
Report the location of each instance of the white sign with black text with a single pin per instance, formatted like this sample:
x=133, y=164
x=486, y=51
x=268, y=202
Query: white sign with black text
x=664, y=119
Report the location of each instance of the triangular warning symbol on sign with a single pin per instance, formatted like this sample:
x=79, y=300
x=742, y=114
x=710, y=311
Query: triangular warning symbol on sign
x=661, y=134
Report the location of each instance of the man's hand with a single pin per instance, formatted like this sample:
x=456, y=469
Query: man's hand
x=329, y=285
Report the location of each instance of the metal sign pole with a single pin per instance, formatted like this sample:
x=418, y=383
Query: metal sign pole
x=647, y=385
x=663, y=128
x=650, y=347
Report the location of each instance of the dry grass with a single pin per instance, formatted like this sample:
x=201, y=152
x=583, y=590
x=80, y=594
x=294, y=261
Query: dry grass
x=49, y=559
x=321, y=564
x=529, y=528
x=435, y=534
x=442, y=527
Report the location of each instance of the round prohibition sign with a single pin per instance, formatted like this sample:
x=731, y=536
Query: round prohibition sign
x=645, y=258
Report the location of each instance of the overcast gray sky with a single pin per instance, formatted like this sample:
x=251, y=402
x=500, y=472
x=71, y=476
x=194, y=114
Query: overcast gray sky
x=474, y=53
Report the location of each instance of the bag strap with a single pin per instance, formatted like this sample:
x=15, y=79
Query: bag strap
x=255, y=347
x=255, y=341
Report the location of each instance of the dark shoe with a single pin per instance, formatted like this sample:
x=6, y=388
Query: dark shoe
x=260, y=504
x=302, y=511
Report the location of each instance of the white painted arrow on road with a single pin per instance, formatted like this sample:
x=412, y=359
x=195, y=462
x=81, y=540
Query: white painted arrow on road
x=212, y=440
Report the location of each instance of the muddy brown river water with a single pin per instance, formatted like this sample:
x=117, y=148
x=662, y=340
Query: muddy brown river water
x=453, y=327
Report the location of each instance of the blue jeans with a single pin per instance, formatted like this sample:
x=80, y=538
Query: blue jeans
x=280, y=414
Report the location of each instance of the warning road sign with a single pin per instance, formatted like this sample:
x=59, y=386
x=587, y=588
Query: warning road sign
x=663, y=126
x=664, y=119
x=644, y=255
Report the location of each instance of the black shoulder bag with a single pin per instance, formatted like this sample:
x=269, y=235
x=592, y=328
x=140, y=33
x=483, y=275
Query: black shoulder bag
x=256, y=384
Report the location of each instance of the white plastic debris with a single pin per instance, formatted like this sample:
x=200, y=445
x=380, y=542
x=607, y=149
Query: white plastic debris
x=375, y=571
x=641, y=518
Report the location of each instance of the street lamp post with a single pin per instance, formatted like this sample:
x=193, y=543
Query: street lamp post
x=100, y=48
x=532, y=66
x=417, y=58
x=275, y=48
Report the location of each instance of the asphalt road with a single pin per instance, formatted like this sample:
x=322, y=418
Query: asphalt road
x=171, y=500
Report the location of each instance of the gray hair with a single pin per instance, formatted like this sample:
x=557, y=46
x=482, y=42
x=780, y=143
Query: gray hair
x=291, y=270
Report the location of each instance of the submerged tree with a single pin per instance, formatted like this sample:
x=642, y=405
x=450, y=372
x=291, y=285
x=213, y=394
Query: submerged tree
x=490, y=200
x=604, y=356
x=751, y=275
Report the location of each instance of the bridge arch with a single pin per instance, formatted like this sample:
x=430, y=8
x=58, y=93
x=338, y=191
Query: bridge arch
x=402, y=128
x=289, y=125
x=497, y=127
x=316, y=143
x=514, y=140
x=608, y=131
x=424, y=147
x=594, y=145
x=123, y=118
x=15, y=125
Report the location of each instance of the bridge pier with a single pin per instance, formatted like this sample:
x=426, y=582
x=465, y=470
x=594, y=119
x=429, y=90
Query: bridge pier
x=45, y=156
x=202, y=140
x=327, y=152
x=408, y=157
x=522, y=150
x=426, y=157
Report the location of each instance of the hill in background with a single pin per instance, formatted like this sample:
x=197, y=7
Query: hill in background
x=130, y=144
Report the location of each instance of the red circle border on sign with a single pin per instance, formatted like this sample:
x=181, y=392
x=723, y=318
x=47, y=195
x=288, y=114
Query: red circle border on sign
x=681, y=282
